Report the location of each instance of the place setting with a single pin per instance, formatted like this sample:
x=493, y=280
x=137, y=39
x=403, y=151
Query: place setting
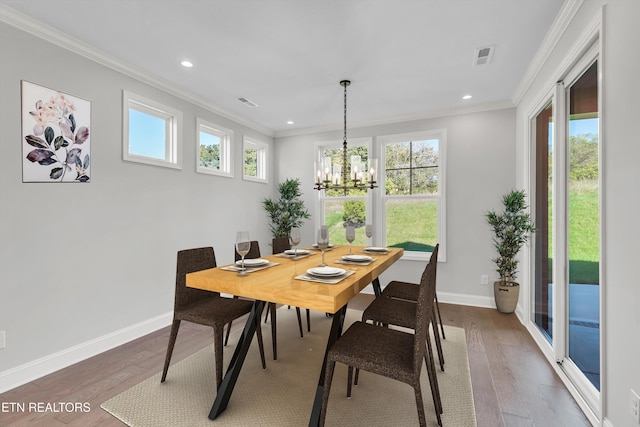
x=294, y=253
x=246, y=266
x=355, y=259
x=324, y=273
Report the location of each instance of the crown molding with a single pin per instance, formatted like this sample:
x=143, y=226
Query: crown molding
x=444, y=112
x=49, y=34
x=558, y=27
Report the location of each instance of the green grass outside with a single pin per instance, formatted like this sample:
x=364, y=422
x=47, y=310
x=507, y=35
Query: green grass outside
x=411, y=225
x=584, y=232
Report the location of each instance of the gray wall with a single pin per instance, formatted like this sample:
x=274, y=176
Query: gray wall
x=92, y=264
x=480, y=168
x=619, y=135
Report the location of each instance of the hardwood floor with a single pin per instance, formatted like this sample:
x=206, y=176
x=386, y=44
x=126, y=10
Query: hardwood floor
x=513, y=385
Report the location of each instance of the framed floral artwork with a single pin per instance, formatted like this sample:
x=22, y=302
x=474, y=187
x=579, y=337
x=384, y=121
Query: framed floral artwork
x=56, y=146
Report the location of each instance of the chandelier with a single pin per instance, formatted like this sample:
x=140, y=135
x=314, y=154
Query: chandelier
x=344, y=176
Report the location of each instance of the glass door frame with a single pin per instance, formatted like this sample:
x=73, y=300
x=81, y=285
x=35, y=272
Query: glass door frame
x=558, y=349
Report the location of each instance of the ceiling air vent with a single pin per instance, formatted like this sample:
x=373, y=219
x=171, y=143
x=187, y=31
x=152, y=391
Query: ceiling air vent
x=482, y=55
x=247, y=101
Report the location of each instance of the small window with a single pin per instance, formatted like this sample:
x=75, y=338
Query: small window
x=214, y=154
x=151, y=132
x=254, y=160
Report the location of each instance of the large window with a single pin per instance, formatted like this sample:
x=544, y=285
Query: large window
x=413, y=200
x=215, y=149
x=255, y=155
x=337, y=209
x=151, y=132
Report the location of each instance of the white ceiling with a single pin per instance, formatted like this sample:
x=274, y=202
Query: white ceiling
x=405, y=58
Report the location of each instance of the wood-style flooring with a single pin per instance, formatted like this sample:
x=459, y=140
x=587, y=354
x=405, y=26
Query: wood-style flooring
x=513, y=385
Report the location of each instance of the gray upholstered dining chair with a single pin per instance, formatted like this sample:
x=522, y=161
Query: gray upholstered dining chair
x=399, y=312
x=388, y=352
x=204, y=307
x=409, y=292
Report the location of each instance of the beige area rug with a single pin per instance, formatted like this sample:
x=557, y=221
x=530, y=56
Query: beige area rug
x=282, y=395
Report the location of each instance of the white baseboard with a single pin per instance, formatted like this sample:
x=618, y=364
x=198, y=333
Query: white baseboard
x=464, y=299
x=451, y=298
x=35, y=369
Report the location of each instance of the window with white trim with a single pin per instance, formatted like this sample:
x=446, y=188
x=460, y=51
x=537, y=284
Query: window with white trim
x=337, y=210
x=214, y=154
x=413, y=200
x=254, y=160
x=151, y=132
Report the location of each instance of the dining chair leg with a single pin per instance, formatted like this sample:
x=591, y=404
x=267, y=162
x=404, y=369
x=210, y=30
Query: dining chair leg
x=266, y=314
x=217, y=348
x=274, y=337
x=172, y=342
x=299, y=321
x=308, y=321
x=349, y=377
x=440, y=318
x=422, y=420
x=433, y=378
x=226, y=338
x=436, y=335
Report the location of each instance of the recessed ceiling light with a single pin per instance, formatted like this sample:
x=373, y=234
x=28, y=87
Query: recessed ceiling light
x=289, y=122
x=467, y=97
x=187, y=64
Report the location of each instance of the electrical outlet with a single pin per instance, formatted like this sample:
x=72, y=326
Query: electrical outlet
x=2, y=339
x=635, y=406
x=484, y=279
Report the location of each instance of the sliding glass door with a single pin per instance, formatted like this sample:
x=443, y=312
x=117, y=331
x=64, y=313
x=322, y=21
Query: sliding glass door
x=583, y=228
x=567, y=204
x=544, y=147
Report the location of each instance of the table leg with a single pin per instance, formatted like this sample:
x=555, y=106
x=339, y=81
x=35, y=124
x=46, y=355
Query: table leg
x=334, y=334
x=229, y=381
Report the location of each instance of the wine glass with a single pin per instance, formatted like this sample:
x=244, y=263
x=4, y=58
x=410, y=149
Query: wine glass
x=351, y=235
x=323, y=242
x=243, y=245
x=368, y=230
x=294, y=238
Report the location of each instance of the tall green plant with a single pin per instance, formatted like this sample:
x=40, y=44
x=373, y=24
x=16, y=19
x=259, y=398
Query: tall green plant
x=511, y=230
x=288, y=211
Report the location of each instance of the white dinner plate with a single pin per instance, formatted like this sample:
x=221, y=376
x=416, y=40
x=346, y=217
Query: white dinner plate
x=253, y=262
x=296, y=252
x=376, y=249
x=357, y=258
x=315, y=245
x=326, y=271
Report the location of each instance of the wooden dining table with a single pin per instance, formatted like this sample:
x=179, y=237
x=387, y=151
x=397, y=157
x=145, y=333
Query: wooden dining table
x=285, y=281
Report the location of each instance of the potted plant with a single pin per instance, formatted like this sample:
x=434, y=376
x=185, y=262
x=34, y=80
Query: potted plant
x=511, y=229
x=288, y=211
